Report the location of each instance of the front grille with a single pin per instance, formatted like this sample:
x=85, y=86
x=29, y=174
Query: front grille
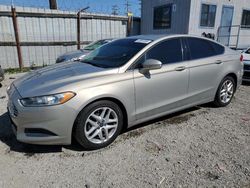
x=12, y=110
x=15, y=111
x=13, y=124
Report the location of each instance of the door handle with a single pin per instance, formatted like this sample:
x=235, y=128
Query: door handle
x=218, y=62
x=180, y=68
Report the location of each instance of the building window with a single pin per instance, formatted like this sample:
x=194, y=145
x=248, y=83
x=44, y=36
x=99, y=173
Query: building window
x=245, y=22
x=162, y=17
x=208, y=13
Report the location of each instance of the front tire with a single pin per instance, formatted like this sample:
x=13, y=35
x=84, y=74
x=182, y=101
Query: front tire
x=98, y=124
x=225, y=92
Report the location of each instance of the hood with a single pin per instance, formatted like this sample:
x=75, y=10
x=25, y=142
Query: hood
x=56, y=78
x=70, y=55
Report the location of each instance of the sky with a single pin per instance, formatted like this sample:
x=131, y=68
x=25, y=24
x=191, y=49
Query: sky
x=96, y=6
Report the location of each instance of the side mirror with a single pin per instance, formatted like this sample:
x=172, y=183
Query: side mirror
x=151, y=64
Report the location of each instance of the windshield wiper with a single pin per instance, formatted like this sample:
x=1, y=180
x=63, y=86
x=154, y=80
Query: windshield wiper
x=109, y=58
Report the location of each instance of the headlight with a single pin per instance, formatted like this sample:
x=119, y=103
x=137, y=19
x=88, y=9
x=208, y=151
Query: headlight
x=48, y=100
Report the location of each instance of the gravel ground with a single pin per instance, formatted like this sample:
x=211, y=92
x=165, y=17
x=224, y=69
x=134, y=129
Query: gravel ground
x=199, y=147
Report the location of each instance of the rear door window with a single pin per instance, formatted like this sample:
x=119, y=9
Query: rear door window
x=169, y=51
x=200, y=48
x=219, y=49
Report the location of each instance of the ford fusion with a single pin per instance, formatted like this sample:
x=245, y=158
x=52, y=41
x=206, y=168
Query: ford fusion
x=119, y=85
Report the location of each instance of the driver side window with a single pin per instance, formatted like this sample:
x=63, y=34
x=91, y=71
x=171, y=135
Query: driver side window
x=169, y=51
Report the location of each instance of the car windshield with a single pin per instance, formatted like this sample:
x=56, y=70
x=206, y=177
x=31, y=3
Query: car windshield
x=115, y=54
x=248, y=51
x=95, y=45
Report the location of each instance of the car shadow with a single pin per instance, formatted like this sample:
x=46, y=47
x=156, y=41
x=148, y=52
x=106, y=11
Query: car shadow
x=7, y=136
x=175, y=118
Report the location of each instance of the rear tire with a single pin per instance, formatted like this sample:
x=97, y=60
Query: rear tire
x=225, y=92
x=98, y=124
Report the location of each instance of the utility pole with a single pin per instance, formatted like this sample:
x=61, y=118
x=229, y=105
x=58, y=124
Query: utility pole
x=115, y=10
x=127, y=6
x=78, y=25
x=53, y=4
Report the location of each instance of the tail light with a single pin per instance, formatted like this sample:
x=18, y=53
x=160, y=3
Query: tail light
x=241, y=58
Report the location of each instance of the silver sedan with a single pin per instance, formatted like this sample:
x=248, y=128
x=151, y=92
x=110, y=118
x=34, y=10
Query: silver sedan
x=79, y=54
x=119, y=85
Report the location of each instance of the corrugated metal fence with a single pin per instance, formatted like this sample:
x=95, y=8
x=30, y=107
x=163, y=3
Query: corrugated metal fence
x=45, y=34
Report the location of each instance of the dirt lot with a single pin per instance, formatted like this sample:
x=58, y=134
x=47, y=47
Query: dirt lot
x=202, y=146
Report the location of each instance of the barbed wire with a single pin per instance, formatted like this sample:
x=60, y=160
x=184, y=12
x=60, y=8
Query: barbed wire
x=97, y=6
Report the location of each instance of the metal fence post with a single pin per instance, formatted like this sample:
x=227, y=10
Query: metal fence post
x=18, y=46
x=79, y=30
x=238, y=36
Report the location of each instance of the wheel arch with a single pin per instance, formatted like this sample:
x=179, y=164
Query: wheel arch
x=113, y=99
x=231, y=74
x=234, y=76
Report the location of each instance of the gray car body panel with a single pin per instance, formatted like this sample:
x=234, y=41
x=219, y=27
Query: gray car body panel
x=144, y=97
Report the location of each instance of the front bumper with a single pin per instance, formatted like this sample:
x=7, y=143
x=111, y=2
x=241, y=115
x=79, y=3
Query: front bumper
x=41, y=125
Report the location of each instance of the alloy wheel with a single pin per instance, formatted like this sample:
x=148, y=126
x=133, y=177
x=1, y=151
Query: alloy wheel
x=101, y=125
x=227, y=91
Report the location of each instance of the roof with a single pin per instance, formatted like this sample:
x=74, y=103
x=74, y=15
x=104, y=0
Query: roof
x=148, y=37
x=155, y=37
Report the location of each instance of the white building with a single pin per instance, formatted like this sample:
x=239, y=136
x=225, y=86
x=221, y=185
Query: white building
x=228, y=21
